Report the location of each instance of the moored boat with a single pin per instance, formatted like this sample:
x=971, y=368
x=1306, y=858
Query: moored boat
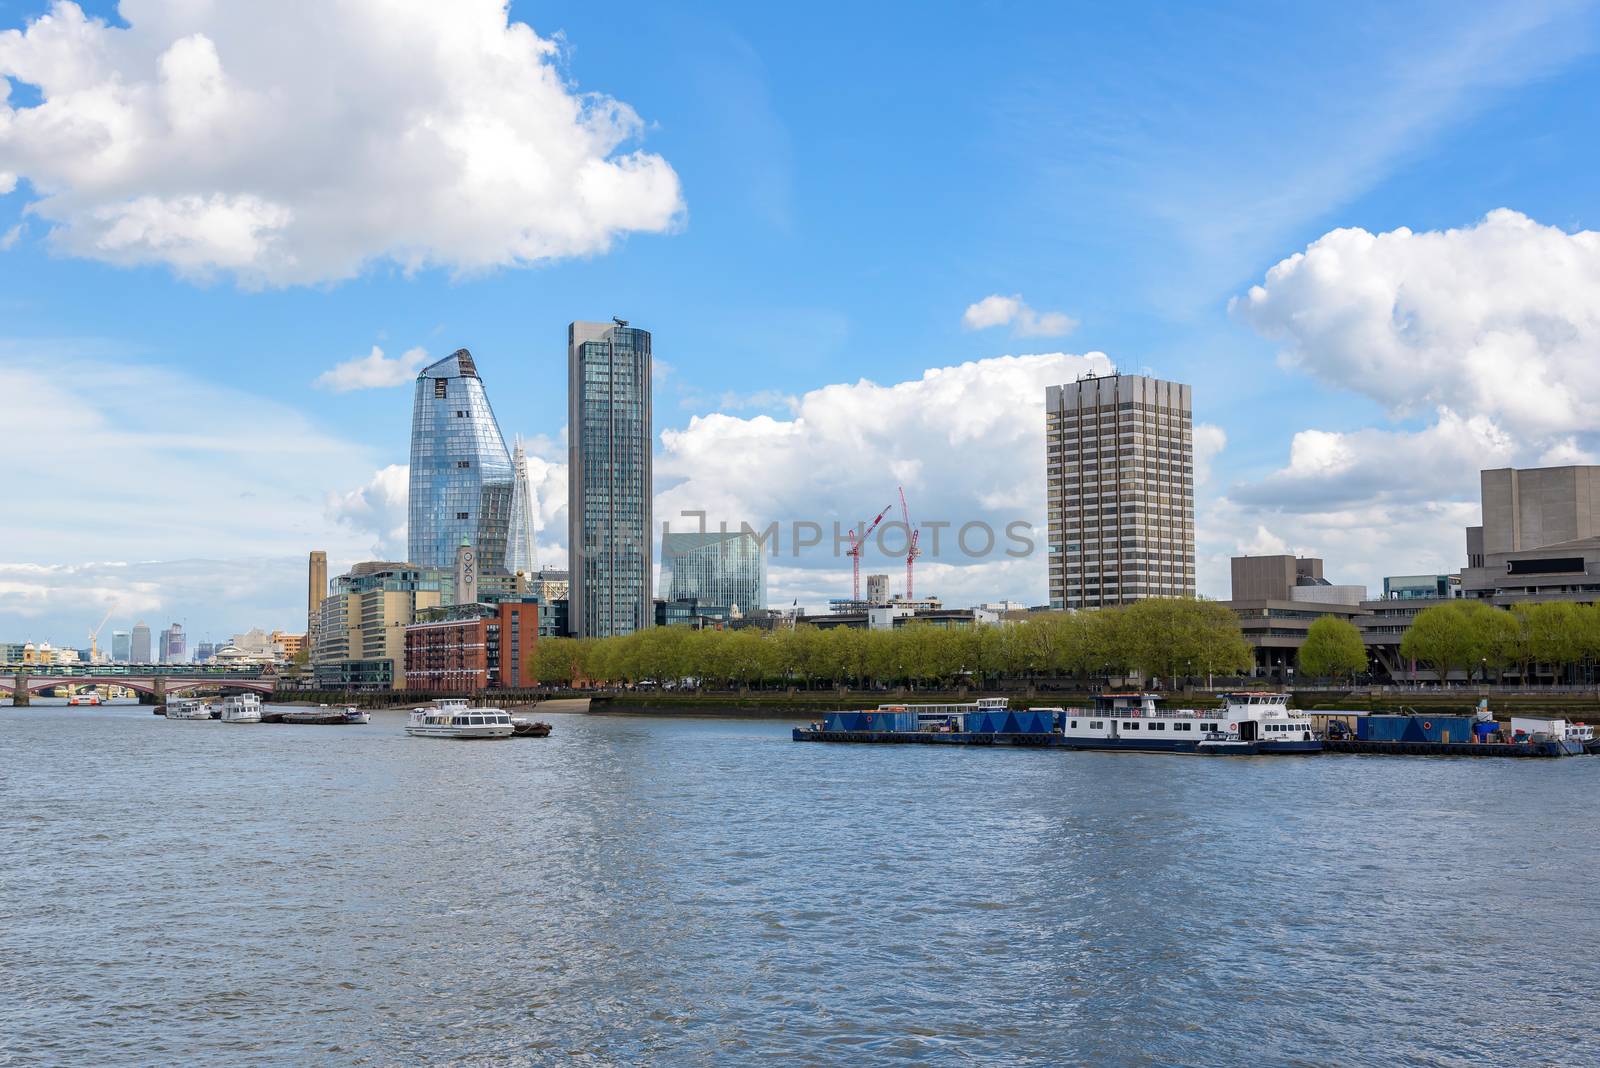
x=241, y=708
x=187, y=708
x=523, y=727
x=325, y=716
x=1136, y=721
x=84, y=699
x=454, y=718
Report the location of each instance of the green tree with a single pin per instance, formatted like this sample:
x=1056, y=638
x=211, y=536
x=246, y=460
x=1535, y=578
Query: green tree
x=1465, y=636
x=1333, y=648
x=558, y=661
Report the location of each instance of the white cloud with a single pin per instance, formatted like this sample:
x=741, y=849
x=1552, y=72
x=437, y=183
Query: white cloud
x=373, y=371
x=299, y=142
x=377, y=508
x=997, y=310
x=1500, y=319
x=966, y=441
x=1492, y=328
x=9, y=239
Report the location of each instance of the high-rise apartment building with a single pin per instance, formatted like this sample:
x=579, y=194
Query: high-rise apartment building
x=608, y=478
x=360, y=633
x=1119, y=460
x=461, y=478
x=139, y=644
x=121, y=646
x=726, y=569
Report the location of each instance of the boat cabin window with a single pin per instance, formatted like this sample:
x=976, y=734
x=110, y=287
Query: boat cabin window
x=1158, y=726
x=1131, y=726
x=1097, y=724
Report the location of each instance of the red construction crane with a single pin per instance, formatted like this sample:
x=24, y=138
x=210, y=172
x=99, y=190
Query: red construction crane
x=912, y=533
x=854, y=552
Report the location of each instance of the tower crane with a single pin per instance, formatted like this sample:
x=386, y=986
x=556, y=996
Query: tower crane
x=854, y=552
x=94, y=636
x=912, y=552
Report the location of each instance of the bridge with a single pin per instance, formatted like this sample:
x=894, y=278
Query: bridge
x=150, y=680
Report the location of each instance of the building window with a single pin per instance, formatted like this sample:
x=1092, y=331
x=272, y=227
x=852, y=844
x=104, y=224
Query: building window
x=462, y=515
x=439, y=388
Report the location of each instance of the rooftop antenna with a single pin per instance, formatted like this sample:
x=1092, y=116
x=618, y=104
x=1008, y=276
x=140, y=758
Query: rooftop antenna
x=619, y=322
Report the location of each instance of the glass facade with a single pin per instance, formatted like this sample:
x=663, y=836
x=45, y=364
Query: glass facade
x=522, y=552
x=726, y=569
x=461, y=476
x=608, y=478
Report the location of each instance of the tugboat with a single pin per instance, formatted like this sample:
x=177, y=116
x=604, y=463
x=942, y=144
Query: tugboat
x=453, y=718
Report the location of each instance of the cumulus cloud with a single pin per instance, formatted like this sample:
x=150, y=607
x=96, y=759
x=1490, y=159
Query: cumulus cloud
x=997, y=310
x=9, y=239
x=300, y=141
x=377, y=508
x=1499, y=319
x=966, y=441
x=1490, y=329
x=373, y=371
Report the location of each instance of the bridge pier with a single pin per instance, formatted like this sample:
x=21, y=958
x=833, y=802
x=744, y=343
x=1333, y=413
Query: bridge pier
x=20, y=697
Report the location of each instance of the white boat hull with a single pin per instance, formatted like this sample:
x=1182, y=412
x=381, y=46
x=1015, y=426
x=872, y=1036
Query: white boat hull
x=461, y=731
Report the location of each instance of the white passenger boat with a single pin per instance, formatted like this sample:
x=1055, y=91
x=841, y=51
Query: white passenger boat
x=454, y=718
x=241, y=708
x=1252, y=722
x=188, y=708
x=84, y=699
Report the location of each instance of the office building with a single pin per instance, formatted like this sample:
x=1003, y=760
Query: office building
x=204, y=651
x=1540, y=538
x=139, y=644
x=468, y=648
x=172, y=644
x=877, y=588
x=461, y=478
x=360, y=634
x=727, y=569
x=608, y=478
x=1119, y=457
x=121, y=646
x=1277, y=598
x=316, y=587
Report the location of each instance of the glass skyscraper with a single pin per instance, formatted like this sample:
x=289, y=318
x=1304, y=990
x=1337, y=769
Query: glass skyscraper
x=608, y=478
x=725, y=569
x=461, y=477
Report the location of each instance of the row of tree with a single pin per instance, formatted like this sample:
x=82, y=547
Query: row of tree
x=1475, y=638
x=1155, y=638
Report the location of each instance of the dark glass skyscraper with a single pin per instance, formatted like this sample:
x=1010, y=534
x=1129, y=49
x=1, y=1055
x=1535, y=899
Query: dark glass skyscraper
x=608, y=478
x=461, y=478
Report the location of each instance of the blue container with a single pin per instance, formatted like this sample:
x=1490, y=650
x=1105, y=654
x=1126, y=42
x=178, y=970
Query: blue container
x=1382, y=728
x=869, y=721
x=1436, y=728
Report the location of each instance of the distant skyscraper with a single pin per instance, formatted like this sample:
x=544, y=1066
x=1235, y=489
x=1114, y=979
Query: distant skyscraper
x=461, y=479
x=608, y=478
x=204, y=651
x=172, y=646
x=139, y=649
x=523, y=551
x=715, y=569
x=120, y=646
x=316, y=588
x=1120, y=485
x=877, y=589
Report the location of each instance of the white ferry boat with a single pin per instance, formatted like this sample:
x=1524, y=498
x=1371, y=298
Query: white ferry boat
x=241, y=708
x=1259, y=722
x=187, y=708
x=454, y=718
x=90, y=698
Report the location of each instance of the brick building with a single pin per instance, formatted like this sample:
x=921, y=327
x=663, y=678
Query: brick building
x=472, y=647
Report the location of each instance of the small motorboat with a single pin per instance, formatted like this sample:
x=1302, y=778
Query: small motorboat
x=1219, y=743
x=90, y=698
x=523, y=727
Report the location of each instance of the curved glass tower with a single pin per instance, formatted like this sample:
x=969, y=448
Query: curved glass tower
x=461, y=477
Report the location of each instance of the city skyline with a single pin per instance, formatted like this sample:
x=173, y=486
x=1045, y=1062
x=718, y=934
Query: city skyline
x=1383, y=288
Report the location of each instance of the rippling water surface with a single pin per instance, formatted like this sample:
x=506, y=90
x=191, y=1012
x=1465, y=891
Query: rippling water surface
x=638, y=890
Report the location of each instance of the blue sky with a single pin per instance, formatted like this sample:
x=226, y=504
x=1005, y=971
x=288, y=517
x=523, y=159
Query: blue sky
x=850, y=181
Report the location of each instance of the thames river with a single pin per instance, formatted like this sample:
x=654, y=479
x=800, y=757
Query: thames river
x=694, y=891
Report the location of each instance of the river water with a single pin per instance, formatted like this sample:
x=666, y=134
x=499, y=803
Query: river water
x=695, y=891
